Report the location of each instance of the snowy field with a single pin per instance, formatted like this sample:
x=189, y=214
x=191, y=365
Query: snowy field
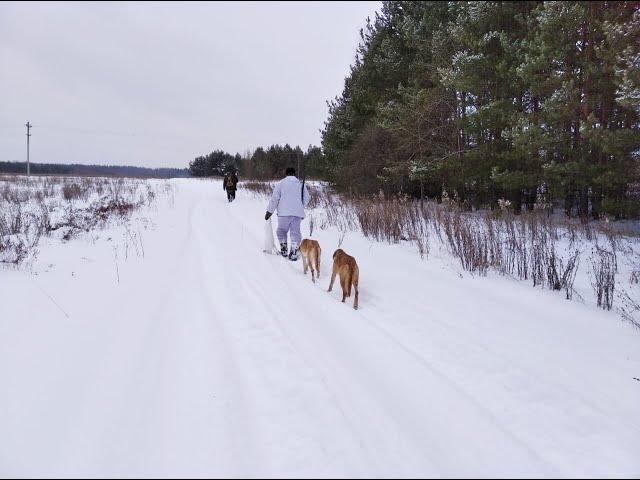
x=169, y=345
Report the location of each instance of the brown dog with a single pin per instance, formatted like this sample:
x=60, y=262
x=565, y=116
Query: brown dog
x=310, y=250
x=345, y=266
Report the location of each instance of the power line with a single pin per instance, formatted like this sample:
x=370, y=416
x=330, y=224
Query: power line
x=88, y=131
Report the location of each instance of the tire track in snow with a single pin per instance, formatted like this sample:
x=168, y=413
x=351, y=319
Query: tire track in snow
x=240, y=417
x=102, y=423
x=274, y=359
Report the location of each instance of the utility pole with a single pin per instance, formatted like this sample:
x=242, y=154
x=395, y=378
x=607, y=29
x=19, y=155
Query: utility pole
x=28, y=125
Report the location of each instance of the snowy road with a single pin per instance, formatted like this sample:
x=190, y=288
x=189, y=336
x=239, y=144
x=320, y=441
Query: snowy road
x=211, y=359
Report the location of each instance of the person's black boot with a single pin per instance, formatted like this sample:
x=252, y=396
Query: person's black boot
x=283, y=249
x=293, y=255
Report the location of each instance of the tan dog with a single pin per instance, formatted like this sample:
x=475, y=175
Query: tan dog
x=345, y=266
x=310, y=250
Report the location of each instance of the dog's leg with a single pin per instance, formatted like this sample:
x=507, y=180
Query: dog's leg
x=333, y=278
x=356, y=279
x=343, y=284
x=355, y=301
x=304, y=264
x=310, y=264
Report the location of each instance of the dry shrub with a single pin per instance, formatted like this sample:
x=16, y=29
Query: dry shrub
x=31, y=208
x=315, y=196
x=603, y=273
x=118, y=207
x=569, y=272
x=629, y=308
x=12, y=219
x=74, y=191
x=466, y=240
x=19, y=234
x=525, y=246
x=338, y=213
x=258, y=188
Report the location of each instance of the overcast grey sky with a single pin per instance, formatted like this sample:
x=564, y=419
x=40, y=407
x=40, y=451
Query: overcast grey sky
x=156, y=84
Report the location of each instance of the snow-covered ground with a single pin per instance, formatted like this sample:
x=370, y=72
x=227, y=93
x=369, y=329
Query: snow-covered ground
x=186, y=351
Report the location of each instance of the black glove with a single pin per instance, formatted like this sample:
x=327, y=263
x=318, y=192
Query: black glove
x=267, y=215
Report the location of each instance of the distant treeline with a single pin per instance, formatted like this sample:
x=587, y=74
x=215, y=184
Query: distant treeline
x=92, y=170
x=261, y=164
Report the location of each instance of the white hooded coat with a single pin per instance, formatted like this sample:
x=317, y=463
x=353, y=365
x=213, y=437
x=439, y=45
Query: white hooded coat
x=288, y=198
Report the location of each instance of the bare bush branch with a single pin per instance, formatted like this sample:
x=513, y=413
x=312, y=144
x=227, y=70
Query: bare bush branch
x=604, y=269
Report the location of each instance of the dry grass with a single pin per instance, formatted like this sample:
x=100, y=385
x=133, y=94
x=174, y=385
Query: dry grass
x=64, y=206
x=532, y=246
x=261, y=189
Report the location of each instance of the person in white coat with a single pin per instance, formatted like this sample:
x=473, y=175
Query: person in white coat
x=289, y=198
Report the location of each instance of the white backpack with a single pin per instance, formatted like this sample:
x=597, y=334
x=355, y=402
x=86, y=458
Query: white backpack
x=269, y=244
